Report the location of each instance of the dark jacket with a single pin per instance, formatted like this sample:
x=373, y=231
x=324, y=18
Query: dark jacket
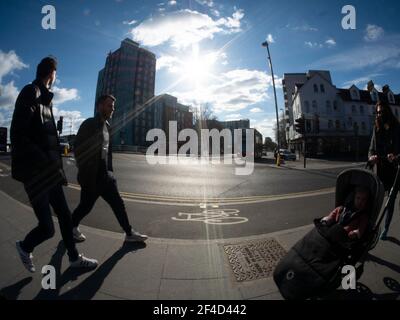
x=88, y=149
x=35, y=144
x=383, y=143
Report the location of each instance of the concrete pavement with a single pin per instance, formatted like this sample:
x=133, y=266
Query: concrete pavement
x=165, y=268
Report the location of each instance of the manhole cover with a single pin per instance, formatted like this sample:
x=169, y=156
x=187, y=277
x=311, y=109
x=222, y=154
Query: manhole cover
x=254, y=260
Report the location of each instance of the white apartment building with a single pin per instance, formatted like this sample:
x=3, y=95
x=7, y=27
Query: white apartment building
x=338, y=121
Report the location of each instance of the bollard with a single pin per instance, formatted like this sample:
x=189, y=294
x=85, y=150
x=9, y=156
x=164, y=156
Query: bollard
x=65, y=150
x=278, y=160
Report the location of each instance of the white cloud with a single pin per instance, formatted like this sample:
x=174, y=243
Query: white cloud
x=304, y=28
x=382, y=55
x=330, y=42
x=10, y=62
x=361, y=80
x=233, y=116
x=132, y=22
x=265, y=126
x=270, y=38
x=62, y=95
x=313, y=44
x=71, y=120
x=179, y=65
x=256, y=110
x=373, y=33
x=208, y=3
x=172, y=3
x=8, y=95
x=184, y=28
x=170, y=63
x=235, y=90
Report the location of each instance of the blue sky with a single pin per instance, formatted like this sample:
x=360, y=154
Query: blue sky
x=208, y=52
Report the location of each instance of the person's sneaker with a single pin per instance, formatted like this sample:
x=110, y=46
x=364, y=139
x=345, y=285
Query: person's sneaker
x=26, y=258
x=83, y=262
x=78, y=235
x=135, y=237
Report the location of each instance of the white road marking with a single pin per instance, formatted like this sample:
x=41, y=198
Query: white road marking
x=213, y=216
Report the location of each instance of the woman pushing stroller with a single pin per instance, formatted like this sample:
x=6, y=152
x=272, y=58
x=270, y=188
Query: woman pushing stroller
x=383, y=150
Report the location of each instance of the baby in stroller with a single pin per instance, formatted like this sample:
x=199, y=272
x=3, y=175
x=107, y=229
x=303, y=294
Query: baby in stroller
x=354, y=216
x=313, y=266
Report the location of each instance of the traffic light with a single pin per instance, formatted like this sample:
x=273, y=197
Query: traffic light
x=300, y=125
x=60, y=124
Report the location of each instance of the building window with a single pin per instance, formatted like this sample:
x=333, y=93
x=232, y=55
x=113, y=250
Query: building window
x=374, y=96
x=330, y=124
x=353, y=109
x=315, y=106
x=335, y=105
x=362, y=109
x=396, y=112
x=315, y=88
x=354, y=94
x=363, y=127
x=308, y=125
x=322, y=87
x=307, y=106
x=337, y=124
x=328, y=107
x=350, y=122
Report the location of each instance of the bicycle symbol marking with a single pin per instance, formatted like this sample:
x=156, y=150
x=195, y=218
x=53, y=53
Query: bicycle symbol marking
x=212, y=216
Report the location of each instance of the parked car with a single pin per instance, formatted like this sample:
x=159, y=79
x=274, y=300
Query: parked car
x=287, y=154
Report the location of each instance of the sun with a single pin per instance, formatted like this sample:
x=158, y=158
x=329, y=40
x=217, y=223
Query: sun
x=198, y=68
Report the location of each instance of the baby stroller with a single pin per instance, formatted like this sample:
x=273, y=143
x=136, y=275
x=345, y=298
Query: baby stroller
x=313, y=267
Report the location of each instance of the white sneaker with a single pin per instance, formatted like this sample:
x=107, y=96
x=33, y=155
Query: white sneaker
x=78, y=235
x=83, y=262
x=135, y=237
x=26, y=258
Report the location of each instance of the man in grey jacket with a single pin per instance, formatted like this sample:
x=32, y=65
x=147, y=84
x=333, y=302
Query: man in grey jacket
x=93, y=156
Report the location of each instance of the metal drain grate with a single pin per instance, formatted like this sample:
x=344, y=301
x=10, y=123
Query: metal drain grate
x=254, y=260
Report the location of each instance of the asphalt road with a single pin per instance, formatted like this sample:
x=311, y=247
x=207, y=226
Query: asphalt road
x=207, y=201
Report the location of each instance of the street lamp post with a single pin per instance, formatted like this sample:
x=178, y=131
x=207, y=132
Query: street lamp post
x=284, y=136
x=266, y=44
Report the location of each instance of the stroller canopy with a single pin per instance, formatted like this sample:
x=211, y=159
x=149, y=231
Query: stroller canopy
x=348, y=180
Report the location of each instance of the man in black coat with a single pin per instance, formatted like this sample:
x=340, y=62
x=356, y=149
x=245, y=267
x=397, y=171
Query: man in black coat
x=36, y=162
x=93, y=157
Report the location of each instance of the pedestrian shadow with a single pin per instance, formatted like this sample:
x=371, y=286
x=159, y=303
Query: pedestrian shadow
x=362, y=292
x=393, y=240
x=382, y=262
x=13, y=291
x=88, y=288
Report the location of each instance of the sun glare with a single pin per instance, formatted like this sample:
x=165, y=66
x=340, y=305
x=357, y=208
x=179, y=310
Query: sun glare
x=198, y=67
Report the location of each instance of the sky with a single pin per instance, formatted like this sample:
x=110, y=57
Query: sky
x=209, y=53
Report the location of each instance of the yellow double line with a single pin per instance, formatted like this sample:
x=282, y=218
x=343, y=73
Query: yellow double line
x=140, y=197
